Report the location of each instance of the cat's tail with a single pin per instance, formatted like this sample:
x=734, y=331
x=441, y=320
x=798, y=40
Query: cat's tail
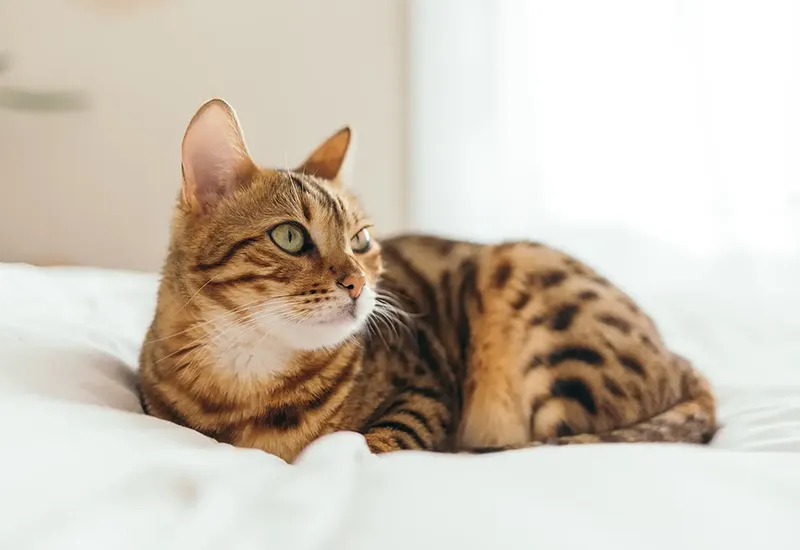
x=691, y=420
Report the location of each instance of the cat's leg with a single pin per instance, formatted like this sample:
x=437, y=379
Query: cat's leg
x=495, y=412
x=424, y=393
x=416, y=418
x=527, y=312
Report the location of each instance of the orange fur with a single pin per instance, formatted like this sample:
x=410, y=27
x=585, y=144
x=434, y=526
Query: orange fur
x=417, y=342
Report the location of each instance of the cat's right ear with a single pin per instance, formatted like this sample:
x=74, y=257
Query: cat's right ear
x=332, y=159
x=214, y=157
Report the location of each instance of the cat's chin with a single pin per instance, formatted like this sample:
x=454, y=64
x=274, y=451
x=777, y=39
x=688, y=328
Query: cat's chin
x=308, y=337
x=328, y=331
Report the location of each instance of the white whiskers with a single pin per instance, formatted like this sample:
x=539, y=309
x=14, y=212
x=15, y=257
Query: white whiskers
x=389, y=318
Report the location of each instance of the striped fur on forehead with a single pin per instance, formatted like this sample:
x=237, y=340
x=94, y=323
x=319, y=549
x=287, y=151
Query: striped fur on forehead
x=309, y=191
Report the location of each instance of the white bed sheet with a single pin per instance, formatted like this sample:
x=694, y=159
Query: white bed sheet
x=81, y=466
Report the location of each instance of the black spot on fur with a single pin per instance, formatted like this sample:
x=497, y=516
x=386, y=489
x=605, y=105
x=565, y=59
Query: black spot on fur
x=608, y=410
x=466, y=289
x=502, y=275
x=577, y=390
x=588, y=295
x=427, y=354
x=535, y=363
x=521, y=301
x=613, y=321
x=612, y=387
x=553, y=278
x=575, y=353
x=575, y=267
x=632, y=365
x=564, y=430
x=398, y=382
x=563, y=317
x=648, y=343
x=284, y=417
x=636, y=392
x=446, y=247
x=538, y=320
x=446, y=285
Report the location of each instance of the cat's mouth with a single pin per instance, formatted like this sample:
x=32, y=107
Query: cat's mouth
x=345, y=316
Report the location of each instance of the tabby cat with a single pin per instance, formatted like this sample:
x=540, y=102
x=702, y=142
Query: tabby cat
x=281, y=319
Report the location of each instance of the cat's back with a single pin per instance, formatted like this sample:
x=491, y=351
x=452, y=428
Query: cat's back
x=429, y=265
x=434, y=262
x=430, y=255
x=523, y=286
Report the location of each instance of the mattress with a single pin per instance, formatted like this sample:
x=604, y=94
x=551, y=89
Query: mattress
x=82, y=467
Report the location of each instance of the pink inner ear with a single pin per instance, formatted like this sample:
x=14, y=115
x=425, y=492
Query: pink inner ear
x=214, y=168
x=213, y=152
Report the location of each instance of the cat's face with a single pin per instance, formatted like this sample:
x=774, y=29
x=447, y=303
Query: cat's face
x=284, y=254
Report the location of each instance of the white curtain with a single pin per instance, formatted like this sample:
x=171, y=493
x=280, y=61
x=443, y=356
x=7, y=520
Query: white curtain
x=635, y=133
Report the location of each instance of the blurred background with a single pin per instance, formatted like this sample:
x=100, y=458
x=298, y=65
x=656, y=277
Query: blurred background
x=89, y=174
x=656, y=139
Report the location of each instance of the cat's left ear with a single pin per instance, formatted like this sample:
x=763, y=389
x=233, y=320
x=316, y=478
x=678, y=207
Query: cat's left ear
x=332, y=160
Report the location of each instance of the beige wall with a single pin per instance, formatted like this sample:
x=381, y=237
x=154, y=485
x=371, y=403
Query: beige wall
x=97, y=187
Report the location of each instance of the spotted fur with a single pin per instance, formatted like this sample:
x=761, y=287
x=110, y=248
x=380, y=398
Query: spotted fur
x=450, y=346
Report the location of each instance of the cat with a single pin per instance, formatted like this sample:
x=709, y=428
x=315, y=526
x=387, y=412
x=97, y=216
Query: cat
x=280, y=318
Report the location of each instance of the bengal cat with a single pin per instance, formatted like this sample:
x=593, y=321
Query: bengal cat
x=281, y=319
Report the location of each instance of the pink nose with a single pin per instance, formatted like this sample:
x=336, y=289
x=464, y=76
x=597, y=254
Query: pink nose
x=353, y=284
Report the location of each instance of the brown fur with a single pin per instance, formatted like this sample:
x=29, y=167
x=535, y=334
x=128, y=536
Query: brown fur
x=471, y=348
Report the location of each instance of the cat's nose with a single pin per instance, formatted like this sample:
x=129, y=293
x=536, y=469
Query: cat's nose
x=353, y=284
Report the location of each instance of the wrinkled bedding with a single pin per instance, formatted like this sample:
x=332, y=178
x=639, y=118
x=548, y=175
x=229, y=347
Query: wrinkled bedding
x=83, y=468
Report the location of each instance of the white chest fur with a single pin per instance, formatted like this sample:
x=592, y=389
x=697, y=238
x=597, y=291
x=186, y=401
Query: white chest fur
x=248, y=351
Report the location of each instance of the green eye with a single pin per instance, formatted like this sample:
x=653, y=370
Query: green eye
x=361, y=242
x=289, y=237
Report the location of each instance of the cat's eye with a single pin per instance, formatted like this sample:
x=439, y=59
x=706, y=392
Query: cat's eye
x=289, y=237
x=361, y=242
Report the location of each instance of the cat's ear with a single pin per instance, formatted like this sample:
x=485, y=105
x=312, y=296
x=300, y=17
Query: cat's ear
x=332, y=160
x=214, y=157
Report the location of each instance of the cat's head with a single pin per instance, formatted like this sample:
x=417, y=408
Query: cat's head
x=285, y=252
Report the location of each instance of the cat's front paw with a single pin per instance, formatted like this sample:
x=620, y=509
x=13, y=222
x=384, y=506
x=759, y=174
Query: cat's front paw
x=381, y=443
